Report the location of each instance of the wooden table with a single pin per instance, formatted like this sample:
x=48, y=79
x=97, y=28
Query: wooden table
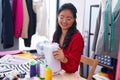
x=67, y=76
x=62, y=76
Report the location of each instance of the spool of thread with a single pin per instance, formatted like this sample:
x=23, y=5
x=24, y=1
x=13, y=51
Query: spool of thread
x=32, y=69
x=38, y=68
x=48, y=73
x=42, y=70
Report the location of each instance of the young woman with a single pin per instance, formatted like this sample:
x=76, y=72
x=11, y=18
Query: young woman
x=69, y=38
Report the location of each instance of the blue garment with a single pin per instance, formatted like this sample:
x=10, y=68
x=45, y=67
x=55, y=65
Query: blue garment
x=7, y=25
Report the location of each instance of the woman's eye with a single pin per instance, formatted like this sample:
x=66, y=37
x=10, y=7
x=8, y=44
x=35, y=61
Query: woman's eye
x=61, y=17
x=69, y=19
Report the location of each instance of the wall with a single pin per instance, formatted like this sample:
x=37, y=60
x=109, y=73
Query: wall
x=87, y=22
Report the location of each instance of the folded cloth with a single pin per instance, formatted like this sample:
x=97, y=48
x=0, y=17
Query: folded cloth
x=98, y=77
x=25, y=55
x=10, y=52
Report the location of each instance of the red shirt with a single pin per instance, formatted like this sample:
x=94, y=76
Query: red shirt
x=73, y=53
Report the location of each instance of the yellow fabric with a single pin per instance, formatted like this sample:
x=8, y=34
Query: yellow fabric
x=102, y=74
x=26, y=55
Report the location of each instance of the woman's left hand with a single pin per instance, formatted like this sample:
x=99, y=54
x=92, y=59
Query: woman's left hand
x=59, y=55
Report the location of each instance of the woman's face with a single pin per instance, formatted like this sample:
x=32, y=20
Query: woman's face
x=65, y=19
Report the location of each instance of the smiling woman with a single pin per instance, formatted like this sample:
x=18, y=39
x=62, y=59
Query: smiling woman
x=65, y=19
x=69, y=38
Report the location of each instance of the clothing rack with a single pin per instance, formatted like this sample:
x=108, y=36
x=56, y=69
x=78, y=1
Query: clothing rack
x=114, y=60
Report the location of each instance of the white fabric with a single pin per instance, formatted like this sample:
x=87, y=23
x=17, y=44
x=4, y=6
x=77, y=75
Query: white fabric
x=98, y=77
x=114, y=2
x=12, y=65
x=46, y=48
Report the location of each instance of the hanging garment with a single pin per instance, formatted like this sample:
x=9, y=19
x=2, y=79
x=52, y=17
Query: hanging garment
x=113, y=19
x=98, y=43
x=106, y=25
x=32, y=23
x=39, y=7
x=0, y=18
x=25, y=21
x=7, y=25
x=118, y=66
x=17, y=10
x=112, y=31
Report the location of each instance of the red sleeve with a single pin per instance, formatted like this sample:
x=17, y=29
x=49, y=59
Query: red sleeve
x=73, y=54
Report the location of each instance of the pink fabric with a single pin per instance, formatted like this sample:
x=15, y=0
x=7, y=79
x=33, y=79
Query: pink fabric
x=10, y=52
x=18, y=17
x=118, y=66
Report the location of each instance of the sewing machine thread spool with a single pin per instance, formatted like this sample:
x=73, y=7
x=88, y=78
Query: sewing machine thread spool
x=32, y=69
x=38, y=68
x=48, y=73
x=42, y=70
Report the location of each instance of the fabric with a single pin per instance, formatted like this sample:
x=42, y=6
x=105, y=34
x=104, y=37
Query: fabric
x=3, y=53
x=46, y=48
x=73, y=53
x=25, y=24
x=32, y=23
x=7, y=25
x=0, y=18
x=39, y=7
x=12, y=65
x=118, y=66
x=25, y=55
x=106, y=23
x=11, y=69
x=99, y=77
x=98, y=42
x=18, y=17
x=112, y=26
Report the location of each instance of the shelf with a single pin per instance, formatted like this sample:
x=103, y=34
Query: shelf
x=105, y=66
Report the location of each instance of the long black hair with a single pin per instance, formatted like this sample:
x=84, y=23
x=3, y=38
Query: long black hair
x=71, y=30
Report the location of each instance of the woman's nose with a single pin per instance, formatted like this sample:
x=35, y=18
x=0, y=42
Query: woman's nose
x=64, y=20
